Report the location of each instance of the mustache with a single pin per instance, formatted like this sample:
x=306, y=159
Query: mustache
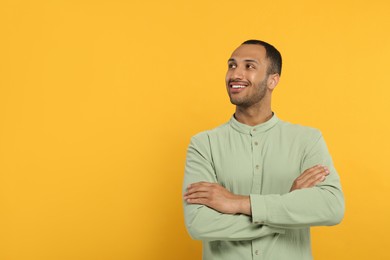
x=238, y=81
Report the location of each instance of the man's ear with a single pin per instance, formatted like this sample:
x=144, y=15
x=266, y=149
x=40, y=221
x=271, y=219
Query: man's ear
x=273, y=80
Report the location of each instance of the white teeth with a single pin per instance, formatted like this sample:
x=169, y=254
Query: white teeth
x=238, y=86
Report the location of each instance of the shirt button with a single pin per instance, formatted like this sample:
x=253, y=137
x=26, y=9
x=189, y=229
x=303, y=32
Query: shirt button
x=257, y=252
x=256, y=143
x=254, y=129
x=257, y=167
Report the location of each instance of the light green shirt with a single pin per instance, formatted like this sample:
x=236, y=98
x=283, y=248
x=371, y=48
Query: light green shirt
x=261, y=161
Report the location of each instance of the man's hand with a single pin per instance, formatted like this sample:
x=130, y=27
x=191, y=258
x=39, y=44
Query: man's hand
x=310, y=177
x=217, y=197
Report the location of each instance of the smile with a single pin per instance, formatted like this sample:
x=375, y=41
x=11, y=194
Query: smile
x=237, y=86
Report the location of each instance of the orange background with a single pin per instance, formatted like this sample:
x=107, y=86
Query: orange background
x=98, y=101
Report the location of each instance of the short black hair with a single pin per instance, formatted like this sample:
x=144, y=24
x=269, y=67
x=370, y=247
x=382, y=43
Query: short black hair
x=272, y=54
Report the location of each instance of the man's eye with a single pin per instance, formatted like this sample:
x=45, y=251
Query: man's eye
x=232, y=66
x=250, y=66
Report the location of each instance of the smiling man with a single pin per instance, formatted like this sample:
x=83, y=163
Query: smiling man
x=254, y=186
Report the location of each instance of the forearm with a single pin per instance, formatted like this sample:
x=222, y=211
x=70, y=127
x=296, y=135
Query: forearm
x=204, y=223
x=217, y=197
x=317, y=206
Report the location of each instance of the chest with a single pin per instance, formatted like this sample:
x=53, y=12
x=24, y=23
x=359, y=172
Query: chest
x=259, y=164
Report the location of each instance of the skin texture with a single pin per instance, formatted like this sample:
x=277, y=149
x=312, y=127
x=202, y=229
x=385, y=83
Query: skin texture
x=248, y=66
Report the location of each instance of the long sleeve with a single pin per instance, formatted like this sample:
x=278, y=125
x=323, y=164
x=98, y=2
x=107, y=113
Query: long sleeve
x=320, y=205
x=205, y=223
x=261, y=161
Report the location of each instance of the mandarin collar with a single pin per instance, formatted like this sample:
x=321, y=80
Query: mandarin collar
x=253, y=130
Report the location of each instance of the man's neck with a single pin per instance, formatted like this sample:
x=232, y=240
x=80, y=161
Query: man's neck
x=253, y=115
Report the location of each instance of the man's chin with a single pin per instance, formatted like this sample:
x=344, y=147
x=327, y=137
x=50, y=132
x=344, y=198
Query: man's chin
x=239, y=103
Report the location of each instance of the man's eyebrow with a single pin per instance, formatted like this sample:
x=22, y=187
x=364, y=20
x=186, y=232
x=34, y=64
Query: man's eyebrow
x=251, y=60
x=246, y=60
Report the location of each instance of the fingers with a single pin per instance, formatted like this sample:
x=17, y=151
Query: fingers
x=314, y=173
x=198, y=187
x=310, y=177
x=313, y=180
x=196, y=195
x=199, y=190
x=315, y=169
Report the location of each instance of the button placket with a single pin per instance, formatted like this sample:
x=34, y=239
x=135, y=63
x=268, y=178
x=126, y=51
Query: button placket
x=256, y=162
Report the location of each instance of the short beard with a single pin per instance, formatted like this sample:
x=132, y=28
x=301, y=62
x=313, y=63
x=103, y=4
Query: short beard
x=255, y=98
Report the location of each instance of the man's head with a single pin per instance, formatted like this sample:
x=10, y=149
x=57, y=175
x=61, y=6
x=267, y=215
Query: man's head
x=253, y=72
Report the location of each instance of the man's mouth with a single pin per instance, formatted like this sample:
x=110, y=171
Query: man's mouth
x=238, y=85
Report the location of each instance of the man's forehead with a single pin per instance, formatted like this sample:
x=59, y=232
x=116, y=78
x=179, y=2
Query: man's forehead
x=249, y=52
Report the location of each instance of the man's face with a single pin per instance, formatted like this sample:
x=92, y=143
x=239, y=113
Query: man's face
x=246, y=78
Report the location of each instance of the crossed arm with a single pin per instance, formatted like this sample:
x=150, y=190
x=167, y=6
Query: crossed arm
x=220, y=199
x=214, y=213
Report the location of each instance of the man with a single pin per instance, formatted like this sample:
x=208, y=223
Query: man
x=254, y=186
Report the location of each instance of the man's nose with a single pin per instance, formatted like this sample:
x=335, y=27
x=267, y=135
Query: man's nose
x=238, y=73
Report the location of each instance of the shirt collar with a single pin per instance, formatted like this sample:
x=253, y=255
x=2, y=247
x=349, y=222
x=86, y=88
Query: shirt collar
x=253, y=130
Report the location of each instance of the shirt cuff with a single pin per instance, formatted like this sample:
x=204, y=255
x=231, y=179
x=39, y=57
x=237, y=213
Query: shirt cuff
x=258, y=208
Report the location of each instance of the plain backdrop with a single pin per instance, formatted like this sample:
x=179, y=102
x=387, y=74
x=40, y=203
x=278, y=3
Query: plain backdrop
x=98, y=101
